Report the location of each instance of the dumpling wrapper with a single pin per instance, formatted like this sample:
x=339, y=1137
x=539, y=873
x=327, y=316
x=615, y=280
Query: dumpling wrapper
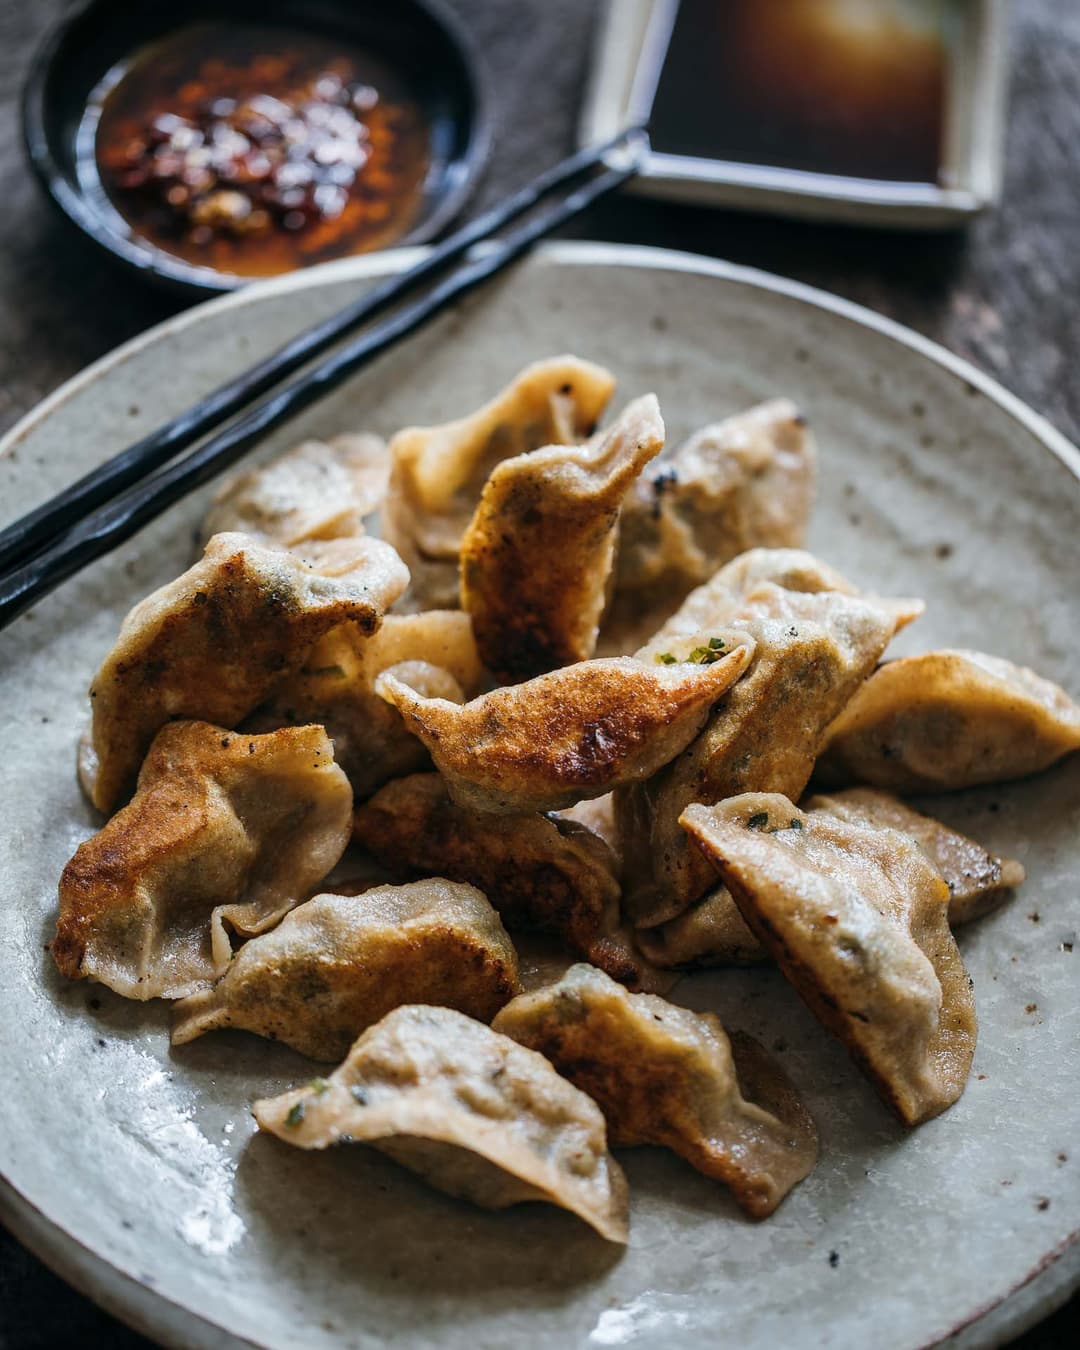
x=746, y=482
x=338, y=963
x=856, y=917
x=571, y=734
x=437, y=473
x=725, y=595
x=978, y=881
x=538, y=554
x=712, y=932
x=473, y=1112
x=812, y=652
x=225, y=832
x=213, y=643
x=318, y=490
x=336, y=687
x=664, y=1075
x=538, y=871
x=947, y=720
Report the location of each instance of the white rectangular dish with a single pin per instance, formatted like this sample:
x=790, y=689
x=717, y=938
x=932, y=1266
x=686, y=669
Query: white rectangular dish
x=631, y=45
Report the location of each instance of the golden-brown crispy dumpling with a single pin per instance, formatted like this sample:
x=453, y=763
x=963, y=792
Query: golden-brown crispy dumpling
x=319, y=490
x=212, y=643
x=538, y=553
x=712, y=932
x=949, y=719
x=573, y=733
x=336, y=687
x=812, y=652
x=473, y=1112
x=743, y=483
x=437, y=473
x=665, y=1075
x=538, y=871
x=978, y=880
x=225, y=831
x=338, y=963
x=856, y=917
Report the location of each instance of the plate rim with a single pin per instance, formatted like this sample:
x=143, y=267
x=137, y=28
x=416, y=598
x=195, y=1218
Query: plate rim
x=153, y=1313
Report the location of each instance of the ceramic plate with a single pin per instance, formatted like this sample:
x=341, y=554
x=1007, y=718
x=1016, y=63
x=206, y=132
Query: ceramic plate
x=136, y=1172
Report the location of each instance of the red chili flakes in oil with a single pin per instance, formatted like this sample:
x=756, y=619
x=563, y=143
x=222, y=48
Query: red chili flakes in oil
x=255, y=150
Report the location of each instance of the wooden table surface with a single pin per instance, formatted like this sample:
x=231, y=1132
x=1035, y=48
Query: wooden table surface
x=1006, y=295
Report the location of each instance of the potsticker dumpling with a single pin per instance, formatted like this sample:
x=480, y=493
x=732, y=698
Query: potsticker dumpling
x=742, y=483
x=437, y=473
x=336, y=687
x=538, y=553
x=338, y=963
x=538, y=871
x=664, y=1075
x=319, y=490
x=978, y=880
x=573, y=733
x=225, y=832
x=812, y=652
x=473, y=1112
x=946, y=720
x=712, y=932
x=856, y=917
x=213, y=643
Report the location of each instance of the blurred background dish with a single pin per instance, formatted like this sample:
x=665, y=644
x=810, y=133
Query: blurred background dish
x=212, y=143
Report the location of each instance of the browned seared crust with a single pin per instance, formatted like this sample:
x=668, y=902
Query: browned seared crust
x=473, y=1112
x=224, y=831
x=336, y=688
x=812, y=653
x=857, y=919
x=338, y=963
x=947, y=720
x=664, y=1075
x=437, y=473
x=570, y=734
x=212, y=643
x=537, y=555
x=538, y=871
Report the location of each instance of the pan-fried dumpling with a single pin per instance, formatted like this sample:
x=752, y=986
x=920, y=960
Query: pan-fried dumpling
x=743, y=483
x=437, y=473
x=225, y=831
x=338, y=963
x=812, y=653
x=856, y=917
x=575, y=732
x=978, y=880
x=213, y=643
x=665, y=1075
x=724, y=596
x=598, y=815
x=712, y=932
x=538, y=871
x=538, y=554
x=473, y=1112
x=336, y=687
x=949, y=719
x=319, y=490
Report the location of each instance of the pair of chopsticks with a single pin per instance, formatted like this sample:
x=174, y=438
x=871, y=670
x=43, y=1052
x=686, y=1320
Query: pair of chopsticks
x=115, y=500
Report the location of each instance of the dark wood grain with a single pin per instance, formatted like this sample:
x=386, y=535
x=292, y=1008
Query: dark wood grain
x=1006, y=295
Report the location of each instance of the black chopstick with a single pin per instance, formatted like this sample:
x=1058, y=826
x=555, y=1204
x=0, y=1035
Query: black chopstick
x=39, y=528
x=128, y=512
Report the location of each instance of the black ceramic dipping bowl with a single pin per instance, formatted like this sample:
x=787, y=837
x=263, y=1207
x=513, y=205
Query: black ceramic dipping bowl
x=419, y=40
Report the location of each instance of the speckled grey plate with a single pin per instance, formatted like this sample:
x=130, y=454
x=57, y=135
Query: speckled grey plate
x=136, y=1172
